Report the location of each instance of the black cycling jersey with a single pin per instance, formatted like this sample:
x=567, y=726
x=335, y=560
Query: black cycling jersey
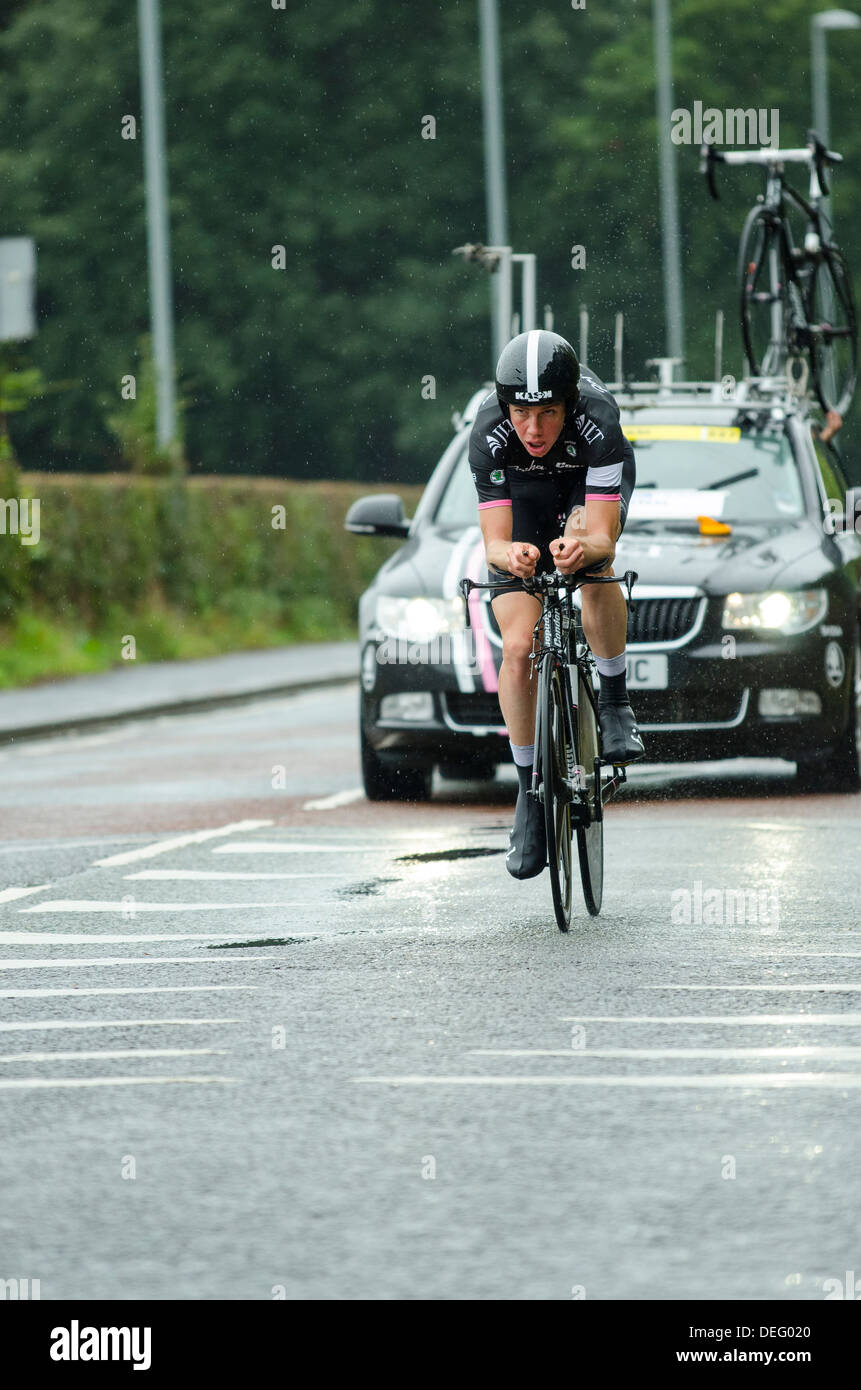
x=591, y=458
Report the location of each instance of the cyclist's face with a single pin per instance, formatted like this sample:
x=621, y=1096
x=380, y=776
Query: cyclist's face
x=538, y=426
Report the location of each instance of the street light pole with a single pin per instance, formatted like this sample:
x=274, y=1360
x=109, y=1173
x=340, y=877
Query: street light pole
x=158, y=230
x=819, y=23
x=673, y=311
x=494, y=160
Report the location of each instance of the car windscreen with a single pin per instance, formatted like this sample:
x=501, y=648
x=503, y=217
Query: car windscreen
x=685, y=471
x=458, y=505
x=722, y=473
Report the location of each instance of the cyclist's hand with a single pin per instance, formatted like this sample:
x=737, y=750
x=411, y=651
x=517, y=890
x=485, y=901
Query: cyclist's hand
x=567, y=554
x=522, y=558
x=833, y=422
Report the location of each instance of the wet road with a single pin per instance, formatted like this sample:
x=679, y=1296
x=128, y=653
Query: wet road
x=259, y=1037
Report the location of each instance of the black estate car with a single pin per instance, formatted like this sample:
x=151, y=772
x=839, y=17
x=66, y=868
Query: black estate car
x=744, y=640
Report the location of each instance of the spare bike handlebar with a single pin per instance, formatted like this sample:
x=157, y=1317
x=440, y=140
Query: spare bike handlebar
x=814, y=154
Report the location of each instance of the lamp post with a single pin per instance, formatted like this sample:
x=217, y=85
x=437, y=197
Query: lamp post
x=158, y=230
x=494, y=162
x=819, y=23
x=673, y=311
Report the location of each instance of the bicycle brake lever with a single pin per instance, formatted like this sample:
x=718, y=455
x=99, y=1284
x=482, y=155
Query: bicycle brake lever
x=631, y=578
x=708, y=159
x=465, y=585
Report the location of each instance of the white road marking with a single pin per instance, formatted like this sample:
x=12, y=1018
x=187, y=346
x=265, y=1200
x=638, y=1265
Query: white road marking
x=131, y=909
x=763, y=1020
x=329, y=803
x=209, y=875
x=43, y=938
x=141, y=989
x=115, y=1052
x=9, y=895
x=65, y=964
x=748, y=1081
x=846, y=1054
x=725, y=989
x=38, y=1082
x=287, y=847
x=46, y=1024
x=179, y=842
x=71, y=743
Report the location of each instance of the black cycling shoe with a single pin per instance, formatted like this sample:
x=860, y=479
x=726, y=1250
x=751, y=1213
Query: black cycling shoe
x=621, y=741
x=528, y=853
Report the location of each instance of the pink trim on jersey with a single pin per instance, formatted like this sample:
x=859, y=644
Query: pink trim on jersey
x=503, y=502
x=601, y=496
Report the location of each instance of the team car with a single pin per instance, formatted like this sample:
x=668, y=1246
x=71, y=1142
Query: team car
x=744, y=637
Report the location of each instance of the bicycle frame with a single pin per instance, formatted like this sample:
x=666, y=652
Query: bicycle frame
x=563, y=642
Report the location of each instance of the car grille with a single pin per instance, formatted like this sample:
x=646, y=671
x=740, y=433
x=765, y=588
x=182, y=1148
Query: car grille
x=662, y=619
x=685, y=706
x=481, y=707
x=653, y=619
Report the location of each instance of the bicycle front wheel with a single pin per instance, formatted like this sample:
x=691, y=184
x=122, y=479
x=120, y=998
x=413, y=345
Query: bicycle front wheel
x=590, y=837
x=557, y=765
x=762, y=289
x=833, y=328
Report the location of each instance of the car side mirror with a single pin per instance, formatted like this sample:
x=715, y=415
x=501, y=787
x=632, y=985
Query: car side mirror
x=381, y=514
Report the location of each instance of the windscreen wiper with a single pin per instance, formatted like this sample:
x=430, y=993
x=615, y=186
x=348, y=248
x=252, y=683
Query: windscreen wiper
x=727, y=482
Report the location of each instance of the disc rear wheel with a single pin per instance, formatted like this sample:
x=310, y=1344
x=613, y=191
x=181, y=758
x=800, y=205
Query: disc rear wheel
x=557, y=766
x=590, y=837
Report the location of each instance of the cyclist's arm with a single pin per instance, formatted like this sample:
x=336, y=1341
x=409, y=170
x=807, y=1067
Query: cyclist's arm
x=602, y=527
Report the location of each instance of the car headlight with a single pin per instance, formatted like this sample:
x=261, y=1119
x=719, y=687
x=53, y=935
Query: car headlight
x=778, y=610
x=419, y=619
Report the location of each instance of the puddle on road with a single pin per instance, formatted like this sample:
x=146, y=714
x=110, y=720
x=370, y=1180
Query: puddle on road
x=264, y=941
x=364, y=890
x=432, y=855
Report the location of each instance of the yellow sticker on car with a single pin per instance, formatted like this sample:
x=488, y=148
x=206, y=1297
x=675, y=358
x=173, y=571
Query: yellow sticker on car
x=709, y=434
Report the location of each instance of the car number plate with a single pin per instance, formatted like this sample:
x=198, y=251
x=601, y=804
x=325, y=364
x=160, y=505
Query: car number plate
x=647, y=672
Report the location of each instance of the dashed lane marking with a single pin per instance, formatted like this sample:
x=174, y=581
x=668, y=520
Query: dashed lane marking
x=140, y=989
x=131, y=909
x=45, y=1083
x=179, y=842
x=747, y=1080
x=113, y=1053
x=9, y=895
x=330, y=803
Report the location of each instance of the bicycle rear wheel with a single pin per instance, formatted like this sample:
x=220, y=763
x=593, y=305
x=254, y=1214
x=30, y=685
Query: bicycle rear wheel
x=590, y=837
x=833, y=329
x=557, y=756
x=762, y=289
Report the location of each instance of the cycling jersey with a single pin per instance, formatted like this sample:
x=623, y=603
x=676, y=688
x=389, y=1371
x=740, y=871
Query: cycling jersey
x=590, y=459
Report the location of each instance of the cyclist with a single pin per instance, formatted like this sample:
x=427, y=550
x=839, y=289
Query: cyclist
x=554, y=475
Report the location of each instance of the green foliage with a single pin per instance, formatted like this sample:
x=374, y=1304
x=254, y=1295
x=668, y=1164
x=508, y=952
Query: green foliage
x=301, y=128
x=190, y=568
x=134, y=423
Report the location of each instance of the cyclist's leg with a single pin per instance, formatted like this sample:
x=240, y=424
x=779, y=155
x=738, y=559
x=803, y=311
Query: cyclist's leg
x=516, y=613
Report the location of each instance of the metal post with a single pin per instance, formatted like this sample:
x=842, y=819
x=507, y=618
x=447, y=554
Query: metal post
x=819, y=79
x=584, y=334
x=503, y=300
x=673, y=311
x=617, y=347
x=527, y=297
x=718, y=344
x=158, y=231
x=494, y=163
x=548, y=317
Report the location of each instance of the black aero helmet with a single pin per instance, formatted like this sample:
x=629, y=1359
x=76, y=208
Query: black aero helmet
x=535, y=367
